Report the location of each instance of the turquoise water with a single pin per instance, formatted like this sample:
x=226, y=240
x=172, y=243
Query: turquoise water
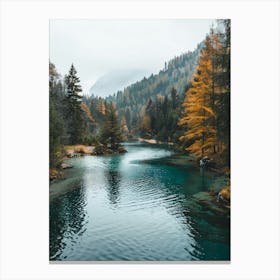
x=146, y=205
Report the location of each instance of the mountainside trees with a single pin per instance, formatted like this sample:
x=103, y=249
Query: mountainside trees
x=160, y=118
x=132, y=101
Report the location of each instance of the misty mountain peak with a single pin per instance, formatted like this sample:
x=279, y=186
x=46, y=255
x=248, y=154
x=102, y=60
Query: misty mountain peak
x=117, y=80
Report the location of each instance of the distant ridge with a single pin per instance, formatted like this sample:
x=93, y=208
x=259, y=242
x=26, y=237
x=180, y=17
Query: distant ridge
x=116, y=80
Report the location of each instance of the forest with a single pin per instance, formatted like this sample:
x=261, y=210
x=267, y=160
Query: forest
x=187, y=104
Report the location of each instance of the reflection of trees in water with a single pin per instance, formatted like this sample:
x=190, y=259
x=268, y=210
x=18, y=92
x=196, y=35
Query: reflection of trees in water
x=113, y=178
x=202, y=176
x=67, y=217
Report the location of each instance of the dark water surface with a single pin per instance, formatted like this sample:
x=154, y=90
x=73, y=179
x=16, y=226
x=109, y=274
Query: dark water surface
x=144, y=205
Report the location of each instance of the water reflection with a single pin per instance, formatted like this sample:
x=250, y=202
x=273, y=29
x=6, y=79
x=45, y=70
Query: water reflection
x=67, y=216
x=122, y=210
x=113, y=177
x=202, y=176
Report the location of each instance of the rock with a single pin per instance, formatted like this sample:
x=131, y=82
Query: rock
x=71, y=155
x=53, y=177
x=122, y=150
x=207, y=162
x=224, y=195
x=207, y=203
x=55, y=174
x=65, y=165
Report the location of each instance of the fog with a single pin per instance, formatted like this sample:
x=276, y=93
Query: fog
x=98, y=47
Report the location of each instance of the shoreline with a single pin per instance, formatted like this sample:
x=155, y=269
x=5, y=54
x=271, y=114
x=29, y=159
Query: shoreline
x=73, y=151
x=79, y=150
x=220, y=192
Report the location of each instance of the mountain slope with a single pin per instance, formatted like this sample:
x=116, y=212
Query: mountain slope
x=116, y=80
x=176, y=74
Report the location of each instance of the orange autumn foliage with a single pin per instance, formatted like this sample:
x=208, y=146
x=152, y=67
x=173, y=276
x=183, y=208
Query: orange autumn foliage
x=198, y=114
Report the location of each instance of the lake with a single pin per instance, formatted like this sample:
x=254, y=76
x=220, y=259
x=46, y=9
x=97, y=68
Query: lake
x=149, y=204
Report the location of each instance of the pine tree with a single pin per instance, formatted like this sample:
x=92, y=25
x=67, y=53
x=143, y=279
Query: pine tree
x=111, y=135
x=55, y=133
x=56, y=127
x=128, y=117
x=223, y=102
x=75, y=117
x=174, y=98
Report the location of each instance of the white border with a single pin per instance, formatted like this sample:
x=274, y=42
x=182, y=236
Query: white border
x=255, y=138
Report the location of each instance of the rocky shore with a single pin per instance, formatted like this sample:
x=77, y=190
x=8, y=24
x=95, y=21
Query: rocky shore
x=78, y=151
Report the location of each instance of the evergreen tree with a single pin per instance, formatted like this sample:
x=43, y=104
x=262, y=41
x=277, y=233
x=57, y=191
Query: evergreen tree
x=56, y=127
x=128, y=117
x=174, y=98
x=55, y=133
x=223, y=81
x=75, y=116
x=111, y=135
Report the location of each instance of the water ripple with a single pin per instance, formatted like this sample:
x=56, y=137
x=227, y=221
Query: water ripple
x=118, y=208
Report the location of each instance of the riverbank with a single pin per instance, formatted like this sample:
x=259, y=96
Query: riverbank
x=72, y=151
x=217, y=169
x=219, y=190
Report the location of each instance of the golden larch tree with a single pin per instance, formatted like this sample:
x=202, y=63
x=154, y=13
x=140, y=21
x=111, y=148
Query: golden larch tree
x=198, y=115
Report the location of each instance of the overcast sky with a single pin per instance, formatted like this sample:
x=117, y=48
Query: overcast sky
x=97, y=47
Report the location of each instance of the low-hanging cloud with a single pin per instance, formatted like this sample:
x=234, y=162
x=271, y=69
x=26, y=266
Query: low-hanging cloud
x=97, y=47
